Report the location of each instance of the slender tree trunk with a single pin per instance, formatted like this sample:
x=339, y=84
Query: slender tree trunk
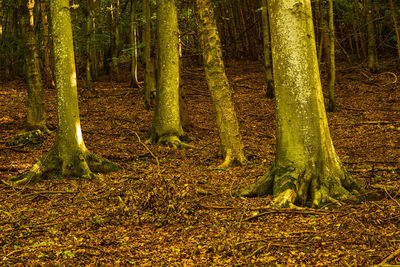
x=46, y=45
x=69, y=155
x=394, y=17
x=149, y=71
x=372, y=51
x=267, y=50
x=306, y=171
x=35, y=118
x=228, y=126
x=167, y=127
x=115, y=39
x=89, y=43
x=332, y=66
x=134, y=79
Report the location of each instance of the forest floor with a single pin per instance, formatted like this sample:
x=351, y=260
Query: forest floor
x=182, y=212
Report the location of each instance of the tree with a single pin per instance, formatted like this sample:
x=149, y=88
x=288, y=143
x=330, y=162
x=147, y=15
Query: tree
x=331, y=59
x=134, y=80
x=306, y=170
x=36, y=117
x=167, y=127
x=149, y=71
x=267, y=50
x=69, y=155
x=228, y=126
x=115, y=38
x=46, y=44
x=372, y=51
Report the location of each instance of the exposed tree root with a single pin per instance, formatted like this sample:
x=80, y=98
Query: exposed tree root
x=270, y=90
x=231, y=160
x=303, y=186
x=51, y=165
x=173, y=141
x=34, y=137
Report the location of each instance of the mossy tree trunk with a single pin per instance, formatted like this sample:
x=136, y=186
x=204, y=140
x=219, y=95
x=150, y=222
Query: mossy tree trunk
x=307, y=170
x=267, y=50
x=134, y=79
x=167, y=127
x=36, y=117
x=393, y=10
x=372, y=50
x=149, y=71
x=221, y=93
x=90, y=33
x=69, y=155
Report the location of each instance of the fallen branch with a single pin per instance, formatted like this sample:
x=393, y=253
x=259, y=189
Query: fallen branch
x=390, y=257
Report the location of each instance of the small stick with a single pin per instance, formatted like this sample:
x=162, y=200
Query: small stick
x=390, y=257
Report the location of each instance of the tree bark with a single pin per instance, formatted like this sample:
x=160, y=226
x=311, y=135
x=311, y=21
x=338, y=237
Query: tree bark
x=115, y=39
x=394, y=18
x=46, y=45
x=372, y=51
x=167, y=128
x=134, y=79
x=332, y=66
x=36, y=117
x=221, y=93
x=69, y=155
x=306, y=170
x=267, y=50
x=149, y=71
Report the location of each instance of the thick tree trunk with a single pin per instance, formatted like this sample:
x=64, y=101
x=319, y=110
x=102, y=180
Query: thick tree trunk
x=267, y=50
x=167, y=127
x=134, y=79
x=35, y=118
x=228, y=126
x=149, y=71
x=306, y=171
x=68, y=156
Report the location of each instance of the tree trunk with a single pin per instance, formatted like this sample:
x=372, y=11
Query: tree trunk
x=35, y=118
x=115, y=39
x=267, y=50
x=228, y=126
x=394, y=17
x=332, y=66
x=134, y=79
x=149, y=71
x=89, y=43
x=372, y=51
x=69, y=155
x=307, y=170
x=167, y=127
x=46, y=45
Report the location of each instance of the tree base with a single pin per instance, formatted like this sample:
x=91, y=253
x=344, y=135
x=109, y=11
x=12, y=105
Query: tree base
x=231, y=160
x=34, y=137
x=293, y=187
x=169, y=140
x=270, y=93
x=82, y=165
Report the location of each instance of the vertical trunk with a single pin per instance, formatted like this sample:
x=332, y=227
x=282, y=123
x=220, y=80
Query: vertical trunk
x=35, y=118
x=267, y=50
x=46, y=45
x=115, y=39
x=167, y=127
x=306, y=170
x=372, y=51
x=89, y=43
x=68, y=156
x=134, y=80
x=332, y=66
x=228, y=126
x=325, y=34
x=394, y=17
x=149, y=71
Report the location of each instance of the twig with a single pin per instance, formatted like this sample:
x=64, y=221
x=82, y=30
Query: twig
x=287, y=211
x=151, y=153
x=390, y=257
x=391, y=197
